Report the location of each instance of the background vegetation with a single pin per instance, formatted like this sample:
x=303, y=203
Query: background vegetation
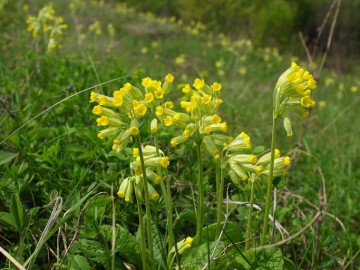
x=274, y=23
x=56, y=176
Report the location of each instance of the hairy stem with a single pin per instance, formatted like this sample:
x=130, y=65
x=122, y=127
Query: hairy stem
x=249, y=223
x=142, y=233
x=113, y=228
x=147, y=204
x=200, y=206
x=269, y=184
x=220, y=193
x=167, y=197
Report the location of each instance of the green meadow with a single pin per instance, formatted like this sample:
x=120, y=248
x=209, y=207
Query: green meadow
x=74, y=194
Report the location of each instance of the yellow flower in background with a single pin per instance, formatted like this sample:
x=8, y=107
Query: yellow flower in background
x=47, y=22
x=180, y=60
x=111, y=30
x=353, y=89
x=95, y=28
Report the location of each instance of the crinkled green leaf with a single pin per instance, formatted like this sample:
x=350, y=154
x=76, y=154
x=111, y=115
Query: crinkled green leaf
x=78, y=262
x=126, y=245
x=269, y=259
x=95, y=251
x=196, y=257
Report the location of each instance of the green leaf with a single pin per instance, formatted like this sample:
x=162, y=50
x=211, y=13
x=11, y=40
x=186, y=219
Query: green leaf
x=16, y=211
x=6, y=157
x=232, y=231
x=197, y=257
x=8, y=219
x=126, y=244
x=269, y=259
x=78, y=262
x=259, y=149
x=95, y=251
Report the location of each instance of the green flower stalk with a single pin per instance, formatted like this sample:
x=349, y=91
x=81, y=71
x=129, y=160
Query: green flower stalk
x=199, y=122
x=292, y=93
x=121, y=115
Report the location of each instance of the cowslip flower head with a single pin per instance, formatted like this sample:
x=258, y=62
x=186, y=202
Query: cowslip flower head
x=293, y=93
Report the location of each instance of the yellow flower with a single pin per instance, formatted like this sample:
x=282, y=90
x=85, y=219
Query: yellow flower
x=252, y=159
x=169, y=78
x=218, y=101
x=206, y=99
x=93, y=96
x=277, y=153
x=259, y=169
x=199, y=83
x=146, y=82
x=169, y=105
x=287, y=161
x=159, y=93
x=135, y=152
x=97, y=109
x=157, y=180
x=207, y=130
x=188, y=241
x=149, y=97
x=354, y=89
x=164, y=162
x=102, y=121
x=186, y=89
x=140, y=109
x=179, y=60
x=168, y=121
x=216, y=119
x=134, y=131
x=216, y=86
x=306, y=101
x=159, y=111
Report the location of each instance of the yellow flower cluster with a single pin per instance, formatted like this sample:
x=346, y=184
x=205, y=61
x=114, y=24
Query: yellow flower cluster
x=293, y=93
x=152, y=161
x=296, y=85
x=48, y=25
x=121, y=112
x=200, y=118
x=133, y=184
x=244, y=166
